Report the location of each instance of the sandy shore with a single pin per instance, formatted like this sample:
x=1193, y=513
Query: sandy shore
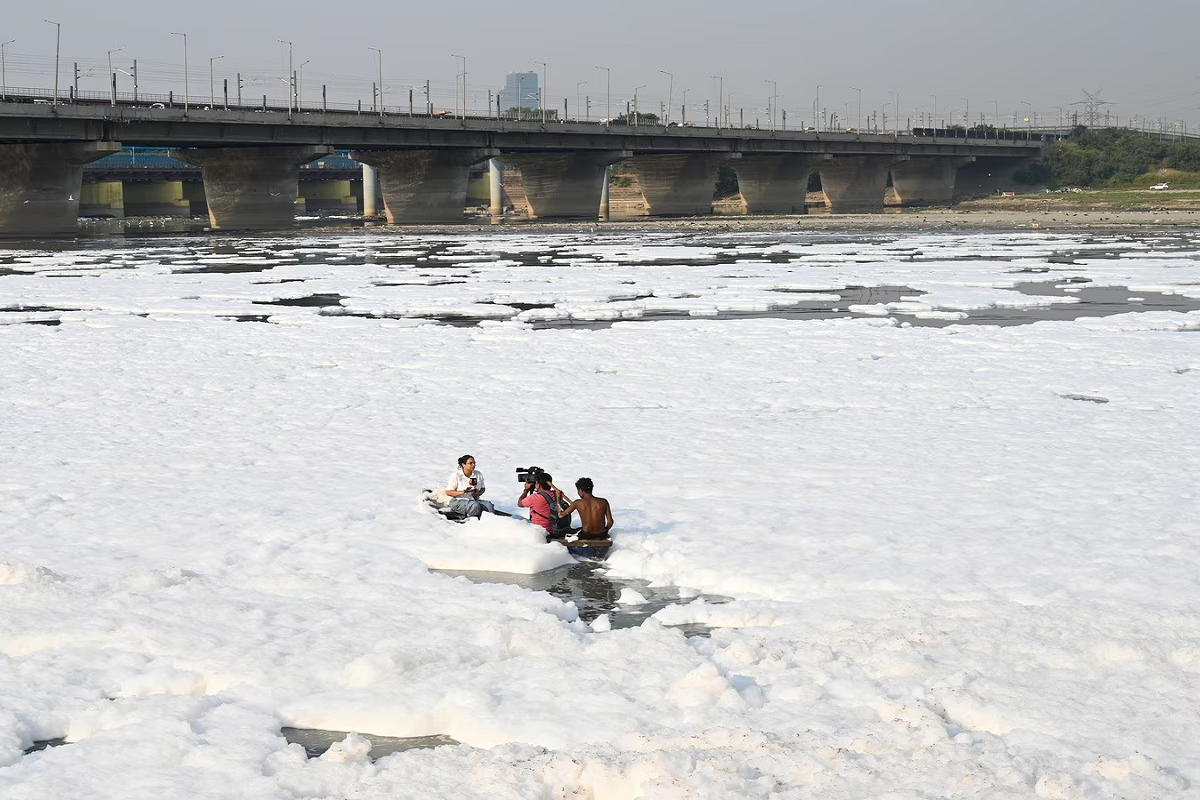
x=926, y=219
x=908, y=219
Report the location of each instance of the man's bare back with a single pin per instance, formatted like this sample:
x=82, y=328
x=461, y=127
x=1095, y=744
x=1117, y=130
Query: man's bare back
x=595, y=515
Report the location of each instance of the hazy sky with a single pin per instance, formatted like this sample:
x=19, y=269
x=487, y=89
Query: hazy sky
x=971, y=57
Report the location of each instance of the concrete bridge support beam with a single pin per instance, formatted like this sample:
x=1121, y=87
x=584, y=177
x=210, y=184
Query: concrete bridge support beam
x=156, y=199
x=40, y=186
x=773, y=184
x=987, y=175
x=495, y=188
x=370, y=191
x=251, y=188
x=924, y=181
x=855, y=184
x=104, y=199
x=679, y=184
x=565, y=184
x=423, y=186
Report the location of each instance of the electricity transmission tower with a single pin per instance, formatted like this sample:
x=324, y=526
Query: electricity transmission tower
x=1091, y=107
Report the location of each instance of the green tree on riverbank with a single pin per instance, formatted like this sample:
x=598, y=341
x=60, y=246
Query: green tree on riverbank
x=1111, y=157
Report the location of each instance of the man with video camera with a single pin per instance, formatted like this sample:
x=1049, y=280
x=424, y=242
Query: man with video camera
x=542, y=499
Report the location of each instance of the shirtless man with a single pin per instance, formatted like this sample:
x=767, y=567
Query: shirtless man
x=594, y=512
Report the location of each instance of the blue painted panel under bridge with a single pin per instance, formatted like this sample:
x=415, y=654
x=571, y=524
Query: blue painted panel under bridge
x=153, y=163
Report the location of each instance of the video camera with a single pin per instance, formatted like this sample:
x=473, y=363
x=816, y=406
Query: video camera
x=529, y=474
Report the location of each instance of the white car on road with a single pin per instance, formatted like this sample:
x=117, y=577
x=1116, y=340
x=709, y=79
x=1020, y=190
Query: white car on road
x=1159, y=186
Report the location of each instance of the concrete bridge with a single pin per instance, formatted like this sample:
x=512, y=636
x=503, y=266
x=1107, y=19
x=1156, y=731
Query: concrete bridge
x=250, y=162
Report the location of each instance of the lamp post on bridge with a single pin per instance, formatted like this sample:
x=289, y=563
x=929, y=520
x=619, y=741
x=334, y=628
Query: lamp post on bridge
x=683, y=108
x=636, y=114
x=463, y=75
x=670, y=96
x=57, y=43
x=112, y=76
x=577, y=85
x=858, y=123
x=608, y=99
x=212, y=97
x=291, y=76
x=300, y=85
x=720, y=97
x=3, y=76
x=380, y=54
x=542, y=95
x=773, y=106
x=185, y=71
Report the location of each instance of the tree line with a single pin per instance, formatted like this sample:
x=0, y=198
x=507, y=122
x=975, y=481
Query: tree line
x=1109, y=157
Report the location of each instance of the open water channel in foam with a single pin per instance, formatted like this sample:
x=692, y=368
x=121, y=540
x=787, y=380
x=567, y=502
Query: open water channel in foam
x=594, y=280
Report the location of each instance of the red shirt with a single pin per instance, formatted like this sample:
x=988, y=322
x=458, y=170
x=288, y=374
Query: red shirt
x=539, y=510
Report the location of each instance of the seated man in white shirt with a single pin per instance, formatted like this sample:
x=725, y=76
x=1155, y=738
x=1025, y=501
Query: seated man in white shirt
x=464, y=488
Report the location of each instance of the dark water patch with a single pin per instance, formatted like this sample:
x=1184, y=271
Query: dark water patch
x=35, y=309
x=316, y=742
x=310, y=301
x=246, y=317
x=226, y=269
x=1085, y=397
x=588, y=586
x=44, y=744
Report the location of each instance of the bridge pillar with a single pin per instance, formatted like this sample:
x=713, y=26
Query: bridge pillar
x=679, y=184
x=990, y=174
x=565, y=184
x=328, y=196
x=156, y=199
x=251, y=188
x=855, y=184
x=40, y=186
x=773, y=184
x=370, y=191
x=495, y=188
x=928, y=180
x=103, y=199
x=423, y=185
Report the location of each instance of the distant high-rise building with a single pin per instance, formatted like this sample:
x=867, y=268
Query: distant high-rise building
x=520, y=91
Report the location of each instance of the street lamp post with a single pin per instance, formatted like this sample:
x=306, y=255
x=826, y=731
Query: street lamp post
x=212, y=97
x=858, y=124
x=608, y=99
x=112, y=76
x=57, y=43
x=817, y=110
x=300, y=85
x=773, y=106
x=380, y=54
x=577, y=85
x=933, y=116
x=720, y=97
x=636, y=113
x=670, y=95
x=542, y=91
x=464, y=84
x=291, y=77
x=3, y=76
x=185, y=71
x=683, y=108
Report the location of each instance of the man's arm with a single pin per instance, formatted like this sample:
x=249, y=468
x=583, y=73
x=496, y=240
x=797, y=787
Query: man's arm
x=608, y=517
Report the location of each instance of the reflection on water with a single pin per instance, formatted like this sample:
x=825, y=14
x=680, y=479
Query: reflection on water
x=594, y=593
x=316, y=742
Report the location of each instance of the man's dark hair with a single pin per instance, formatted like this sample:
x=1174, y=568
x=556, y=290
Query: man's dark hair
x=584, y=485
x=544, y=481
x=464, y=459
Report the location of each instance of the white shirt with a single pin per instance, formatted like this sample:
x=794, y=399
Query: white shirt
x=458, y=482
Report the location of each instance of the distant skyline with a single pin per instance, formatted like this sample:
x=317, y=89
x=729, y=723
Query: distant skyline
x=934, y=61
